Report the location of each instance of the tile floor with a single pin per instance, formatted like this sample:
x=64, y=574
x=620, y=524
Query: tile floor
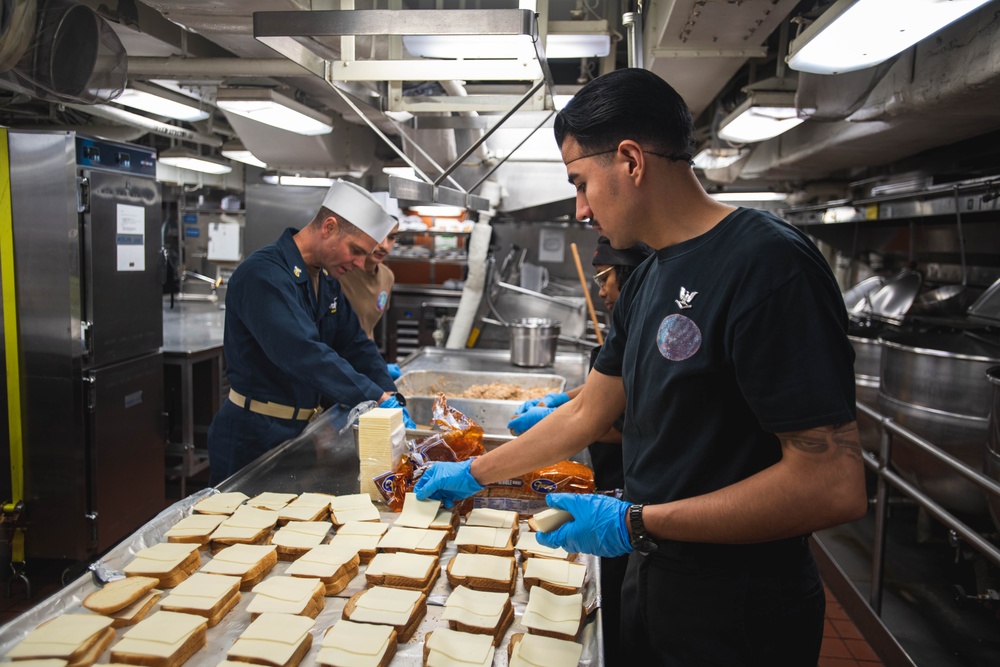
x=843, y=645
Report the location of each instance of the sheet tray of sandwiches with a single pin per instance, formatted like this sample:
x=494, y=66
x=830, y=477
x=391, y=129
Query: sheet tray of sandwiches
x=285, y=579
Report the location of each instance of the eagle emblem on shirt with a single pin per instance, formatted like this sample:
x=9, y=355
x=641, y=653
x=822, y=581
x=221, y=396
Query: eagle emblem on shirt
x=297, y=271
x=686, y=299
x=333, y=305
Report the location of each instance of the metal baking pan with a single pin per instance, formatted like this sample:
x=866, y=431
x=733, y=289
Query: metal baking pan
x=451, y=383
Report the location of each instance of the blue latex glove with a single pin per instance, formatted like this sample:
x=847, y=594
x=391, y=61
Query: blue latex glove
x=599, y=525
x=553, y=400
x=391, y=402
x=394, y=371
x=519, y=425
x=447, y=482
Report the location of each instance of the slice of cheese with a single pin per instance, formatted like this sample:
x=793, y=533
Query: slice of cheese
x=160, y=634
x=482, y=566
x=238, y=559
x=201, y=591
x=550, y=519
x=387, y=606
x=539, y=651
x=356, y=542
x=350, y=502
x=322, y=561
x=130, y=612
x=284, y=595
x=412, y=539
x=558, y=572
x=195, y=525
x=369, y=513
x=60, y=637
x=443, y=520
x=250, y=518
x=483, y=536
x=484, y=516
x=318, y=500
x=527, y=542
x=363, y=528
x=40, y=662
x=553, y=613
x=417, y=513
x=350, y=644
x=448, y=647
x=481, y=609
x=410, y=566
x=271, y=501
x=301, y=534
x=160, y=558
x=221, y=503
x=271, y=638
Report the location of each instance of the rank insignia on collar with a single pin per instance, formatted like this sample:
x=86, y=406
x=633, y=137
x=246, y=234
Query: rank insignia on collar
x=297, y=271
x=333, y=306
x=686, y=299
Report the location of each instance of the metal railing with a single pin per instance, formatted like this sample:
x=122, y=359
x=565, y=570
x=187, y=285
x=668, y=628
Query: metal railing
x=887, y=477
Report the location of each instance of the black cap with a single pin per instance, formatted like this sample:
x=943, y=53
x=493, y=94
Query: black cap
x=633, y=256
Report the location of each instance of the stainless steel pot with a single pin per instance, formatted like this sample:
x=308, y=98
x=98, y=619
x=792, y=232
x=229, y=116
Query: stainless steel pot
x=993, y=440
x=533, y=341
x=932, y=384
x=867, y=366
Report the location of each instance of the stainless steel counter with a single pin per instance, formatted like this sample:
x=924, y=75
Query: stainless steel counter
x=192, y=327
x=573, y=366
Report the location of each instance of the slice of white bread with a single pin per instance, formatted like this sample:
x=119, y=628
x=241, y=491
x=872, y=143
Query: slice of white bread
x=450, y=647
x=493, y=518
x=170, y=563
x=275, y=640
x=196, y=528
x=529, y=547
x=538, y=651
x=76, y=638
x=482, y=572
x=136, y=611
x=221, y=503
x=479, y=612
x=164, y=639
x=551, y=615
x=362, y=535
x=249, y=562
x=548, y=520
x=353, y=507
x=271, y=501
x=350, y=644
x=400, y=608
x=41, y=662
x=485, y=540
x=118, y=594
x=209, y=595
x=288, y=595
x=297, y=537
x=334, y=565
x=247, y=525
x=415, y=540
x=554, y=575
x=307, y=507
x=403, y=570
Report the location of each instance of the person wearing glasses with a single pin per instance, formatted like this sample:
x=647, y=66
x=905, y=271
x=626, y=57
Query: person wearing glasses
x=728, y=354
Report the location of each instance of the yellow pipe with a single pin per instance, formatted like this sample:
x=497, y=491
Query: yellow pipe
x=10, y=328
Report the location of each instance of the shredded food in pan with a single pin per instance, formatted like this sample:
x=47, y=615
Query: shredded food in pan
x=502, y=391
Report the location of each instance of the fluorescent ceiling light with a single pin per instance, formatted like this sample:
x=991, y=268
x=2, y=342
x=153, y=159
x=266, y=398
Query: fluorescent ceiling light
x=234, y=150
x=308, y=181
x=471, y=47
x=750, y=196
x=185, y=158
x=855, y=34
x=763, y=115
x=402, y=172
x=266, y=106
x=716, y=158
x=161, y=102
x=577, y=46
x=438, y=211
x=560, y=101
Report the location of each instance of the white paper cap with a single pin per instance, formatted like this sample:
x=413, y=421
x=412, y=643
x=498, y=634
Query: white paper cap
x=358, y=207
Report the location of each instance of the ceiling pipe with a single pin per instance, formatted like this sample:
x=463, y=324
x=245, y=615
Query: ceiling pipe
x=220, y=68
x=456, y=89
x=148, y=124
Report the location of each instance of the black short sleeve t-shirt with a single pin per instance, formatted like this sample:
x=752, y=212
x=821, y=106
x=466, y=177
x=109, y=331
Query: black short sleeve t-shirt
x=722, y=341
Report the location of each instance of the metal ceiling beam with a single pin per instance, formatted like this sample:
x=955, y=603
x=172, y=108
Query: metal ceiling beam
x=216, y=68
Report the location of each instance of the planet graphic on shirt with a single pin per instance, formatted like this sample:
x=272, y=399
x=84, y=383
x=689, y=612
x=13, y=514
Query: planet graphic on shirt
x=678, y=337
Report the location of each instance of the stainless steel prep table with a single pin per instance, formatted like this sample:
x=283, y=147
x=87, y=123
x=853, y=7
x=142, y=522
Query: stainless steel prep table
x=192, y=343
x=574, y=366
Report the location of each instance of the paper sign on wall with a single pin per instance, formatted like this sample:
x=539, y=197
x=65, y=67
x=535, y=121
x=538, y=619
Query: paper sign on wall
x=131, y=238
x=551, y=245
x=224, y=242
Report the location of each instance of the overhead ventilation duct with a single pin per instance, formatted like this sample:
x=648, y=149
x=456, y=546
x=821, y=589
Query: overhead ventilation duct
x=70, y=55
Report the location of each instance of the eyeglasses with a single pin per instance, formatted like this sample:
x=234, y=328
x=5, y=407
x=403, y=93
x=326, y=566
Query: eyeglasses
x=673, y=157
x=601, y=277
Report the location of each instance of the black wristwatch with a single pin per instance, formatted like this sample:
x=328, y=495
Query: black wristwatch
x=400, y=399
x=641, y=541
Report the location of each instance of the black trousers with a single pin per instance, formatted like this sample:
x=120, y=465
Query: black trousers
x=689, y=605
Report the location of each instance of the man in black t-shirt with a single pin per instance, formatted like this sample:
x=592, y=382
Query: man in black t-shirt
x=729, y=356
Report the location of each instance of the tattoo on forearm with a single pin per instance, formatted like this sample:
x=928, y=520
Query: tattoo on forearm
x=819, y=440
